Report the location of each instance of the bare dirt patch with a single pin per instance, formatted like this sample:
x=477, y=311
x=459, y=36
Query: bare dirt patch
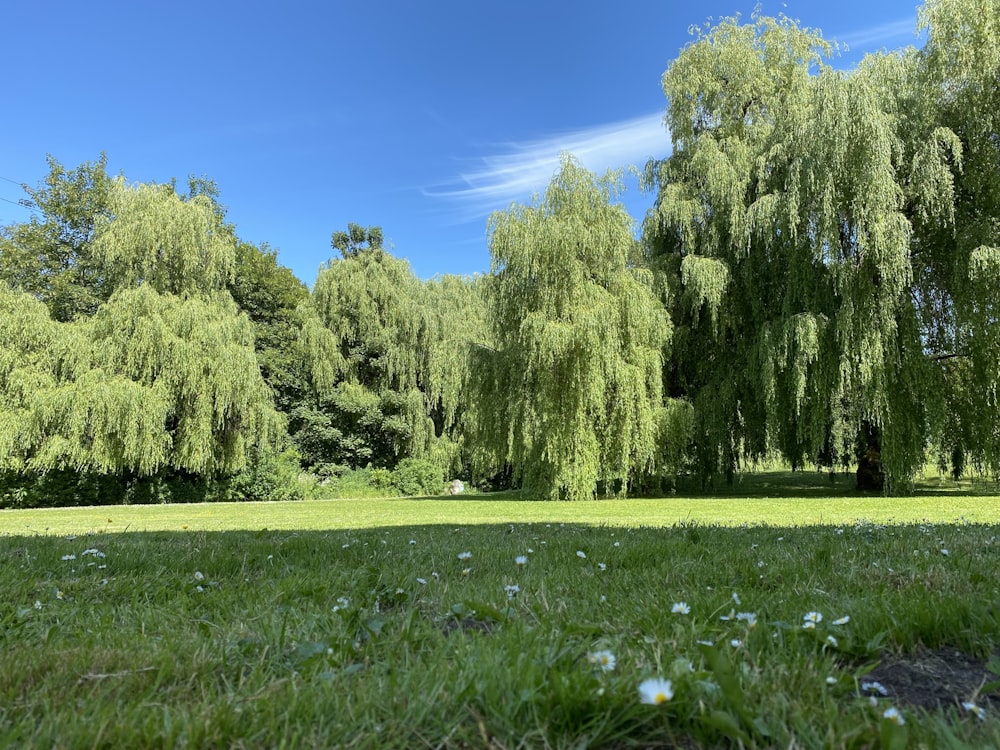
x=938, y=679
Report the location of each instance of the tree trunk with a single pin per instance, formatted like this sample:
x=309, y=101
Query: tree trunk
x=869, y=475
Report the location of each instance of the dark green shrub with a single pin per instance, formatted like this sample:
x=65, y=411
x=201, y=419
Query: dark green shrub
x=417, y=476
x=270, y=476
x=381, y=479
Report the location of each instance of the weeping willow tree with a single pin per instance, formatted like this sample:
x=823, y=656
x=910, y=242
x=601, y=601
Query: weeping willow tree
x=959, y=264
x=456, y=328
x=150, y=382
x=571, y=395
x=388, y=356
x=154, y=236
x=365, y=336
x=161, y=377
x=807, y=224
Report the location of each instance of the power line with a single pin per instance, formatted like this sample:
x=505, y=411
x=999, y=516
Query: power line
x=24, y=202
x=19, y=204
x=15, y=203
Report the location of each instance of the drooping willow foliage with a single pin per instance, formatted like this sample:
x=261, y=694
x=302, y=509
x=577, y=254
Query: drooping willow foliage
x=818, y=276
x=150, y=382
x=571, y=395
x=155, y=237
x=162, y=376
x=812, y=224
x=960, y=297
x=369, y=334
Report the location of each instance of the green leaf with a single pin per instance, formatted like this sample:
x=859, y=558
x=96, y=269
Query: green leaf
x=894, y=736
x=308, y=652
x=728, y=724
x=722, y=668
x=484, y=611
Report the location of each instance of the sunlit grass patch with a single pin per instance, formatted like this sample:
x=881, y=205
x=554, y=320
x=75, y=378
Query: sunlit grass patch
x=774, y=498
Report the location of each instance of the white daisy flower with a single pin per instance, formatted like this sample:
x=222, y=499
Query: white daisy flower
x=973, y=709
x=604, y=659
x=655, y=691
x=892, y=714
x=873, y=687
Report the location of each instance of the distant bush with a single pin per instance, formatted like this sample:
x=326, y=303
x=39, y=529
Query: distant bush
x=381, y=479
x=412, y=476
x=270, y=476
x=60, y=488
x=416, y=476
x=353, y=483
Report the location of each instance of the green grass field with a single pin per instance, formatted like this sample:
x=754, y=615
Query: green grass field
x=776, y=498
x=779, y=622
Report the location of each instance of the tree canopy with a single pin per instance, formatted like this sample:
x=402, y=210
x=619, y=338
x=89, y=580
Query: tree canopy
x=49, y=255
x=162, y=374
x=808, y=221
x=571, y=393
x=817, y=278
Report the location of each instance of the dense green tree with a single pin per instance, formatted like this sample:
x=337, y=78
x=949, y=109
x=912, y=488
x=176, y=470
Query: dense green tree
x=456, y=329
x=806, y=223
x=161, y=379
x=571, y=396
x=365, y=336
x=150, y=382
x=270, y=295
x=388, y=362
x=153, y=236
x=356, y=240
x=49, y=255
x=959, y=263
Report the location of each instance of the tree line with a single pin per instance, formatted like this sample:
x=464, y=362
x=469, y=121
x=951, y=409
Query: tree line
x=817, y=279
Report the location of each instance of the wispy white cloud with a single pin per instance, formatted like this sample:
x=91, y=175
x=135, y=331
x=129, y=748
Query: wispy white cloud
x=883, y=35
x=513, y=172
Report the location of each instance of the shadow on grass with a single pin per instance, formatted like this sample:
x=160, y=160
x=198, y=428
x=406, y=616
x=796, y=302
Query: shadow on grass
x=781, y=484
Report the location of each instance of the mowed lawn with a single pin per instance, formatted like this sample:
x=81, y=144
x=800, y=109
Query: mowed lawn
x=775, y=498
x=716, y=621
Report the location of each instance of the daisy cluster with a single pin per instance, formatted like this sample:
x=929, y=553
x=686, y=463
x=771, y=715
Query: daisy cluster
x=720, y=625
x=658, y=689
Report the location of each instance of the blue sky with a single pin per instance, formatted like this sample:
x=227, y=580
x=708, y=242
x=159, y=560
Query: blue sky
x=420, y=117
